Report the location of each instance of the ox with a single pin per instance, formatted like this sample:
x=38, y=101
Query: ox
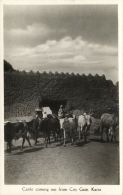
x=45, y=127
x=69, y=127
x=108, y=125
x=54, y=125
x=84, y=123
x=40, y=128
x=16, y=131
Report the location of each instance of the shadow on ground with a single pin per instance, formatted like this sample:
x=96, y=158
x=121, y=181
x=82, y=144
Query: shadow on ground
x=29, y=150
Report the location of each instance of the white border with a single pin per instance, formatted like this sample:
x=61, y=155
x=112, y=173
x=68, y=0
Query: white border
x=106, y=189
x=120, y=62
x=59, y=2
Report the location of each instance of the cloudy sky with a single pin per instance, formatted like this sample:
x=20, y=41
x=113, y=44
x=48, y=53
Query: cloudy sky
x=63, y=38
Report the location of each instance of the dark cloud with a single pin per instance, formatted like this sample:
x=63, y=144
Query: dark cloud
x=95, y=23
x=67, y=38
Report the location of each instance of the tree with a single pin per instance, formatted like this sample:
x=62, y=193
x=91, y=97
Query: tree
x=8, y=67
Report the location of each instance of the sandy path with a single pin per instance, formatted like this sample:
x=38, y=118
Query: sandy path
x=92, y=163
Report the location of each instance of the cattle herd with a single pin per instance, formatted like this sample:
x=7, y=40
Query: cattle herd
x=68, y=129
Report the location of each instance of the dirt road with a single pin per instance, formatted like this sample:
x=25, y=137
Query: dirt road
x=91, y=163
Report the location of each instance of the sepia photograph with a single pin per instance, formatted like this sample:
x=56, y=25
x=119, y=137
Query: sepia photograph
x=61, y=94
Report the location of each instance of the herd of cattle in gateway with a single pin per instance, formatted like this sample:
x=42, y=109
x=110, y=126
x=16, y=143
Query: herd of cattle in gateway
x=70, y=128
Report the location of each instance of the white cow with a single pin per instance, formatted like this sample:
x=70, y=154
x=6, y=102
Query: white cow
x=69, y=126
x=84, y=122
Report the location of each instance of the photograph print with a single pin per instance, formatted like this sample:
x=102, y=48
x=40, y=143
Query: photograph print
x=61, y=94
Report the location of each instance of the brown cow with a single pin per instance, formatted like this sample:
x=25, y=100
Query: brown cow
x=15, y=131
x=108, y=124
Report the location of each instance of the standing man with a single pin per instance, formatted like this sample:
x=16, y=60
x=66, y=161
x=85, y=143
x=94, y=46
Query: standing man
x=38, y=113
x=61, y=112
x=37, y=123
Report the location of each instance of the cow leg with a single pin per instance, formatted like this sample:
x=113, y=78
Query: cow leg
x=60, y=135
x=101, y=139
x=49, y=139
x=101, y=133
x=55, y=135
x=9, y=146
x=36, y=137
x=113, y=136
x=35, y=141
x=85, y=134
x=80, y=133
x=46, y=141
x=86, y=131
x=72, y=139
x=107, y=134
x=85, y=138
x=28, y=140
x=64, y=137
x=23, y=143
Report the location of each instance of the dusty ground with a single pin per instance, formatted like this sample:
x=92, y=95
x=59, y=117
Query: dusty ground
x=91, y=163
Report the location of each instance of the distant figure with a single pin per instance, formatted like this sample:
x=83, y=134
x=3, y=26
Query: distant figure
x=38, y=113
x=61, y=112
x=37, y=124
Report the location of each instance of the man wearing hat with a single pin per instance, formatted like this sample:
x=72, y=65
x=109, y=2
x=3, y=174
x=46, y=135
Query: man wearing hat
x=61, y=112
x=37, y=123
x=38, y=112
